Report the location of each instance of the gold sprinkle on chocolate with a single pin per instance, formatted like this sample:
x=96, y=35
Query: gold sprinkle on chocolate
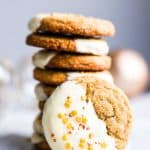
x=90, y=147
x=84, y=120
x=64, y=120
x=104, y=145
x=68, y=146
x=70, y=126
x=82, y=143
x=60, y=115
x=68, y=102
x=91, y=135
x=64, y=137
x=78, y=119
x=82, y=140
x=73, y=113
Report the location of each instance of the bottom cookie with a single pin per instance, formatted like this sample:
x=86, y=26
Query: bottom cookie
x=42, y=146
x=39, y=142
x=41, y=105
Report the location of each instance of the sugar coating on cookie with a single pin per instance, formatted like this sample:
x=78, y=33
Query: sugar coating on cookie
x=70, y=121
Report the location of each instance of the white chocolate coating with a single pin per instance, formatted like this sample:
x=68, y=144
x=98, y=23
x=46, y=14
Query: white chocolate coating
x=37, y=126
x=39, y=92
x=55, y=128
x=91, y=46
x=41, y=58
x=41, y=96
x=100, y=75
x=35, y=22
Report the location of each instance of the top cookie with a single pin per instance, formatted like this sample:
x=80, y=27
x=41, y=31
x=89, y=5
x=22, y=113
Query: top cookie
x=71, y=24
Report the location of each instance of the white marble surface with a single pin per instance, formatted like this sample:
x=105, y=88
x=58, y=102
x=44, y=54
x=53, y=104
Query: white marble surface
x=16, y=127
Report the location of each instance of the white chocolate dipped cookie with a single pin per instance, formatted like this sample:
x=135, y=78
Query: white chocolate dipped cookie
x=68, y=44
x=87, y=113
x=73, y=62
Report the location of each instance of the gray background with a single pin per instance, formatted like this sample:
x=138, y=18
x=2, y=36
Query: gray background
x=131, y=17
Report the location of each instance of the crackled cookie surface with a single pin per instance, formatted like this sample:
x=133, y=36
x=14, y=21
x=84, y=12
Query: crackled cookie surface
x=52, y=60
x=87, y=114
x=71, y=24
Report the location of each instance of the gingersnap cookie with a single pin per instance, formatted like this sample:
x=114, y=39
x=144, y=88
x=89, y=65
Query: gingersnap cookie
x=46, y=59
x=42, y=146
x=87, y=113
x=53, y=77
x=59, y=43
x=71, y=24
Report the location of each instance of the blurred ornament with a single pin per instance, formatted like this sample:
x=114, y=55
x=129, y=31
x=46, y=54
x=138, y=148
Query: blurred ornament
x=6, y=72
x=6, y=78
x=130, y=71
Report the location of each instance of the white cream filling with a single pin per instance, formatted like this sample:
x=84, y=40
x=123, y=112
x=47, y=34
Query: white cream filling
x=54, y=129
x=42, y=58
x=39, y=92
x=35, y=22
x=91, y=46
x=100, y=75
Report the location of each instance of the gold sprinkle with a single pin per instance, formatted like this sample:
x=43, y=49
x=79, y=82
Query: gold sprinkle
x=82, y=145
x=60, y=115
x=82, y=140
x=70, y=126
x=90, y=147
x=68, y=146
x=73, y=113
x=64, y=120
x=68, y=102
x=104, y=145
x=91, y=135
x=64, y=137
x=78, y=119
x=84, y=120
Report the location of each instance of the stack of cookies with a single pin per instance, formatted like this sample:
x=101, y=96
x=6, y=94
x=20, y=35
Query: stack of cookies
x=72, y=46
